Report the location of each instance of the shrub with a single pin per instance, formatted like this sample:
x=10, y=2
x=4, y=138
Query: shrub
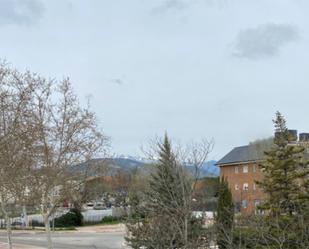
x=246, y=238
x=70, y=219
x=35, y=223
x=110, y=219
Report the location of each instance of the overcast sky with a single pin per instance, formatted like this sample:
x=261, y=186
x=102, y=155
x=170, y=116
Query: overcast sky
x=194, y=68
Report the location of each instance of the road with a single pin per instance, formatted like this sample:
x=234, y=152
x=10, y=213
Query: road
x=70, y=240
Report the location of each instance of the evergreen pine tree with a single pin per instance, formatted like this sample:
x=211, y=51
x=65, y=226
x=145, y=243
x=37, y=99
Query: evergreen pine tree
x=285, y=173
x=163, y=217
x=285, y=182
x=224, y=216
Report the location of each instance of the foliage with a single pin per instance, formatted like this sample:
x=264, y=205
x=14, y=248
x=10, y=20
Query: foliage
x=35, y=223
x=161, y=217
x=285, y=183
x=285, y=222
x=70, y=219
x=269, y=232
x=205, y=194
x=285, y=173
x=244, y=238
x=211, y=187
x=225, y=215
x=111, y=220
x=258, y=147
x=43, y=131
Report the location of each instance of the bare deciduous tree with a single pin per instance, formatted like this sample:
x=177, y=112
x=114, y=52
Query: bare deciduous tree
x=65, y=134
x=15, y=140
x=162, y=217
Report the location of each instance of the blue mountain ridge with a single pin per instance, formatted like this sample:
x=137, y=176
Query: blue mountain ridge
x=128, y=164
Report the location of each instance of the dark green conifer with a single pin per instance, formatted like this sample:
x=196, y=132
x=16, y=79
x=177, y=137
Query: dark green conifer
x=224, y=216
x=163, y=218
x=285, y=172
x=285, y=183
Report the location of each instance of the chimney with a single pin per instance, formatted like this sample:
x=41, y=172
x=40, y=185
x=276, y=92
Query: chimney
x=292, y=135
x=304, y=137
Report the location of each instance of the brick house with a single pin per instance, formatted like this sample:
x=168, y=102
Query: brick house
x=240, y=168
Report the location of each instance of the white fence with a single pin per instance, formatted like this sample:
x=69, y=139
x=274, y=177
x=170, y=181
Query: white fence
x=92, y=216
x=96, y=215
x=88, y=215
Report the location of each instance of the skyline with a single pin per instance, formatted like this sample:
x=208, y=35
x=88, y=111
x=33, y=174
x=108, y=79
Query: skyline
x=180, y=66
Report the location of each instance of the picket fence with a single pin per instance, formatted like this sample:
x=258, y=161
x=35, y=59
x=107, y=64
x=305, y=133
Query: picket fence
x=89, y=216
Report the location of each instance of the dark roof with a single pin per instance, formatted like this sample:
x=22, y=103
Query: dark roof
x=241, y=154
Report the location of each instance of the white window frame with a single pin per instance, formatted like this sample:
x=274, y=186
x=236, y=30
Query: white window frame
x=245, y=169
x=236, y=170
x=236, y=187
x=245, y=186
x=254, y=168
x=256, y=210
x=244, y=204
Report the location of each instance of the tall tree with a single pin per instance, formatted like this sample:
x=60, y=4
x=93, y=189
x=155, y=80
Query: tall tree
x=224, y=216
x=285, y=173
x=163, y=217
x=16, y=141
x=285, y=182
x=66, y=134
x=43, y=132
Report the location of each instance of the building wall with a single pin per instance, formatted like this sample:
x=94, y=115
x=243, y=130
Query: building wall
x=246, y=193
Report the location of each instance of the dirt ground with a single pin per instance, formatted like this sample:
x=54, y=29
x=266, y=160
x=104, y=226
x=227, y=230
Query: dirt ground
x=102, y=228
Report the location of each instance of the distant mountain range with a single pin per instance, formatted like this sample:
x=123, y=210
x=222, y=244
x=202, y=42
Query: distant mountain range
x=112, y=165
x=208, y=169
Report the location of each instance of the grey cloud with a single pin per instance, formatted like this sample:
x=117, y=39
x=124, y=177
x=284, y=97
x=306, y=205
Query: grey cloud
x=264, y=41
x=168, y=5
x=20, y=12
x=117, y=81
x=179, y=5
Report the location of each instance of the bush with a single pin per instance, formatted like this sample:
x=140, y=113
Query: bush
x=35, y=223
x=70, y=219
x=110, y=219
x=246, y=238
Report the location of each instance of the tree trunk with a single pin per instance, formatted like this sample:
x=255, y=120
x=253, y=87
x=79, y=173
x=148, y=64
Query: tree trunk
x=186, y=231
x=48, y=232
x=9, y=231
x=25, y=217
x=8, y=226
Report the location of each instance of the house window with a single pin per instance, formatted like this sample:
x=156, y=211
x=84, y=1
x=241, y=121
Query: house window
x=236, y=169
x=246, y=187
x=254, y=168
x=237, y=206
x=236, y=187
x=254, y=186
x=257, y=210
x=244, y=203
x=245, y=169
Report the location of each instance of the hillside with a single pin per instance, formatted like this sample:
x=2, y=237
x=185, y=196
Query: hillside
x=208, y=169
x=109, y=166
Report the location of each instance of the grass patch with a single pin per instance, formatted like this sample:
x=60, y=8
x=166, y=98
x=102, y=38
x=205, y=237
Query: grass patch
x=65, y=229
x=107, y=220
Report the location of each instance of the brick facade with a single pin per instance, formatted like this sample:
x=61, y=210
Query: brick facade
x=241, y=178
x=241, y=170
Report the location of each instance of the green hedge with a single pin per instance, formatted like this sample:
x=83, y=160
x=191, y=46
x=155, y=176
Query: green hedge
x=71, y=219
x=110, y=219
